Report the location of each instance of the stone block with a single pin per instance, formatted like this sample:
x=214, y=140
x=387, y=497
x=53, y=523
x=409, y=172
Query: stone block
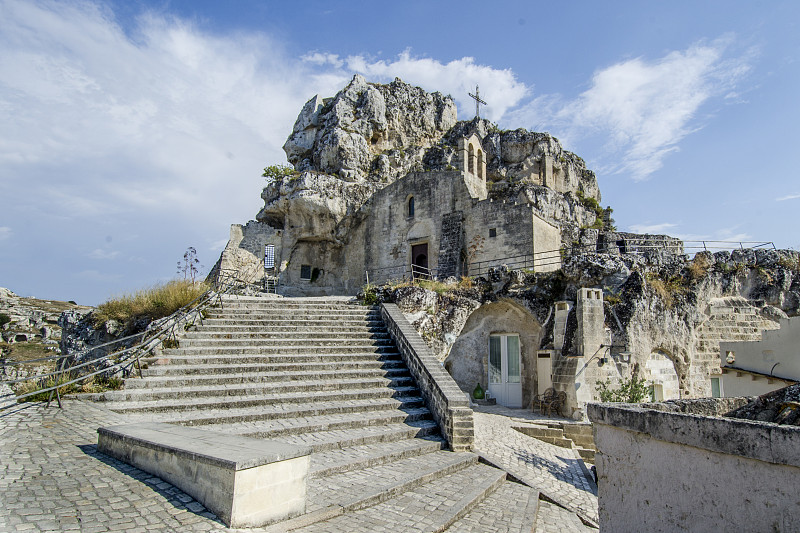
x=246, y=482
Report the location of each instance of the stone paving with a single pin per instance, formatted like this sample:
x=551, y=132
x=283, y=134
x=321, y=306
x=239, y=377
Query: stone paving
x=556, y=472
x=53, y=479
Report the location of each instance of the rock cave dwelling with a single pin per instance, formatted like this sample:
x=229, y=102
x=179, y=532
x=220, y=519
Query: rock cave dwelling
x=537, y=288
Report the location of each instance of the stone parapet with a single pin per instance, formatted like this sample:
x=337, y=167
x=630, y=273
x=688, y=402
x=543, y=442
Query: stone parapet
x=246, y=482
x=679, y=466
x=444, y=398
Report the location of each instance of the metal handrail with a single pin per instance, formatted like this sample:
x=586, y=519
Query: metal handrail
x=127, y=357
x=555, y=257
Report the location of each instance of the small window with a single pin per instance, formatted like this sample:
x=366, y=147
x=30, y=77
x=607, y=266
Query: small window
x=305, y=272
x=411, y=206
x=492, y=233
x=656, y=392
x=716, y=388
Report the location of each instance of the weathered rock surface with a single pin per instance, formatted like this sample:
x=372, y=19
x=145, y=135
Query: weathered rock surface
x=345, y=135
x=32, y=319
x=781, y=407
x=653, y=302
x=346, y=147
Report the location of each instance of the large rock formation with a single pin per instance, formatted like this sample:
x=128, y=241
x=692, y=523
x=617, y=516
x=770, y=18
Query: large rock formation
x=369, y=131
x=347, y=147
x=653, y=302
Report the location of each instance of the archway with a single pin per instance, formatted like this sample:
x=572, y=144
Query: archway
x=661, y=371
x=498, y=330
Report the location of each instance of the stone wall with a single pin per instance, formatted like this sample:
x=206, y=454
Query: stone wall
x=734, y=475
x=448, y=404
x=468, y=358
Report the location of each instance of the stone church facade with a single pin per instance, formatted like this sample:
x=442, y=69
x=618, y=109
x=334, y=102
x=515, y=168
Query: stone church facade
x=422, y=224
x=388, y=185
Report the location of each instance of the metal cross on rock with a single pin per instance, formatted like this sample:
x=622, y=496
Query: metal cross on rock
x=478, y=101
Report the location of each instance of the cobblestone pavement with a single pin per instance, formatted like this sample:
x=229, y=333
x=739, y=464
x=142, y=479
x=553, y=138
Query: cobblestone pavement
x=53, y=479
x=554, y=471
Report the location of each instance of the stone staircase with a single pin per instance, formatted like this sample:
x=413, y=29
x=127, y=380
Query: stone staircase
x=578, y=437
x=326, y=374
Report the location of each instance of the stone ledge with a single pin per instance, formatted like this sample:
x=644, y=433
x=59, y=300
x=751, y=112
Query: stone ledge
x=443, y=397
x=246, y=482
x=762, y=441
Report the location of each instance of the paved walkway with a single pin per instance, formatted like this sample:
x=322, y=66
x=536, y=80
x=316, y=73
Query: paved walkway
x=53, y=479
x=557, y=472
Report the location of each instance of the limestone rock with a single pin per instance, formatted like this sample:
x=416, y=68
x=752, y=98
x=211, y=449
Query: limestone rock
x=346, y=135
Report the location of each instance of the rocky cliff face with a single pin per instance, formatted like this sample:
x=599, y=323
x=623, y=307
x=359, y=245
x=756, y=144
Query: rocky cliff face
x=30, y=329
x=346, y=147
x=369, y=131
x=653, y=302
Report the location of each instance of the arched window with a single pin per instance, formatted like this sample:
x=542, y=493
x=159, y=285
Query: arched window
x=411, y=206
x=471, y=159
x=480, y=163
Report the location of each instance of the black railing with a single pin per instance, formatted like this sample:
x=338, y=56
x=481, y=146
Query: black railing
x=537, y=261
x=126, y=359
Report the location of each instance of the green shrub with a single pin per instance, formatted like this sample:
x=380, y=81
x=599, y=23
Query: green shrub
x=156, y=302
x=630, y=390
x=278, y=173
x=370, y=295
x=4, y=319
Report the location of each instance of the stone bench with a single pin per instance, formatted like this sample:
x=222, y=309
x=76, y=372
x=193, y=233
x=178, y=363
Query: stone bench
x=246, y=482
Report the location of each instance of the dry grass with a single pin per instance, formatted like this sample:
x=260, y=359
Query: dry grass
x=666, y=290
x=155, y=302
x=698, y=268
x=90, y=384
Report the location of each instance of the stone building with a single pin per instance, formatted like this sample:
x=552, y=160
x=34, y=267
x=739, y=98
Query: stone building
x=757, y=367
x=389, y=186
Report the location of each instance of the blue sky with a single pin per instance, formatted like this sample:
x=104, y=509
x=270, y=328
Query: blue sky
x=132, y=130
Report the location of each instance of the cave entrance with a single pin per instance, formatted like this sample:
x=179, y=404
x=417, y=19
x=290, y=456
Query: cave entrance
x=419, y=261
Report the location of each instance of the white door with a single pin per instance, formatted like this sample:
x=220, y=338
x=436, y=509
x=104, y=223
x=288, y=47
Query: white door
x=504, y=370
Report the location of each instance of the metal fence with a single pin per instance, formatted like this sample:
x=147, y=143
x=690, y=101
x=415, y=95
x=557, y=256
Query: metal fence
x=536, y=261
x=128, y=359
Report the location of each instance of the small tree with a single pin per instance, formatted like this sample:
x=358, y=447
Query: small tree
x=188, y=267
x=277, y=172
x=630, y=390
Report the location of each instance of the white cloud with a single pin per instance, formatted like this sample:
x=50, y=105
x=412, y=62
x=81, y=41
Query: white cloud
x=787, y=197
x=218, y=245
x=643, y=109
x=98, y=253
x=651, y=228
x=5, y=233
x=499, y=88
x=317, y=58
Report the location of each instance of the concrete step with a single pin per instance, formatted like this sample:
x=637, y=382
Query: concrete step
x=277, y=429
x=325, y=463
x=400, y=406
x=587, y=454
x=512, y=508
x=176, y=405
x=293, y=341
x=306, y=313
x=286, y=333
x=258, y=388
x=243, y=359
x=262, y=322
x=545, y=434
x=419, y=500
x=191, y=369
x=333, y=349
x=343, y=489
x=551, y=517
x=260, y=377
x=291, y=305
x=336, y=439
